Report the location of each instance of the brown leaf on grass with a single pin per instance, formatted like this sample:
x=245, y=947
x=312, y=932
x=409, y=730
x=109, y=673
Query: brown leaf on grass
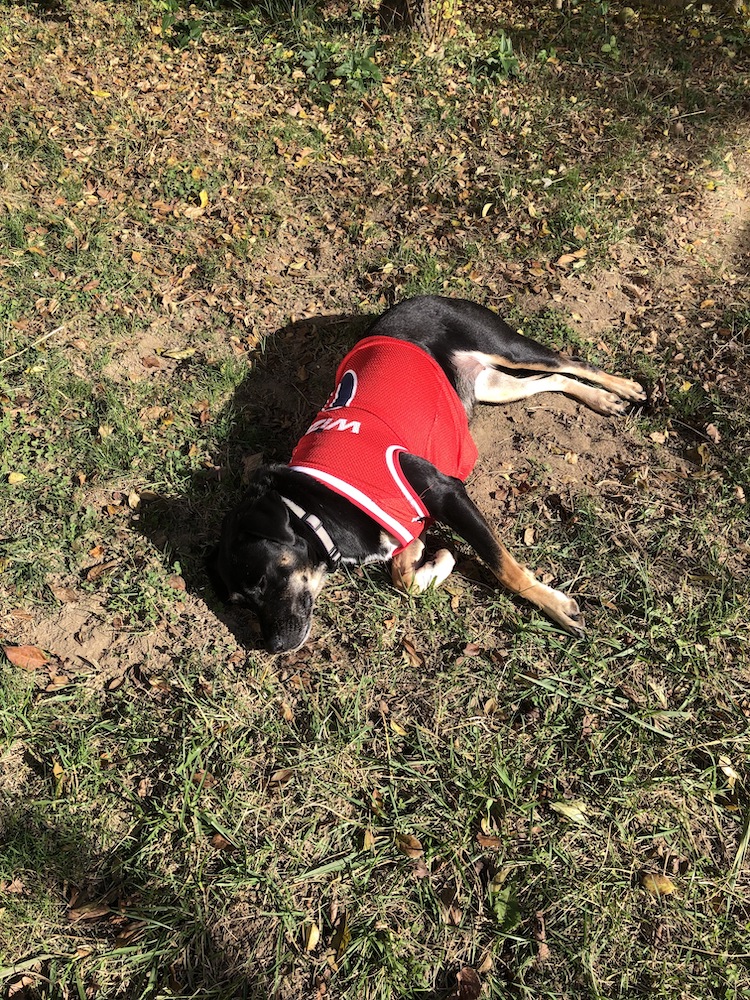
x=280, y=777
x=94, y=910
x=286, y=711
x=250, y=464
x=377, y=803
x=18, y=985
x=57, y=681
x=220, y=843
x=100, y=569
x=58, y=773
x=131, y=932
x=488, y=840
x=450, y=911
x=15, y=887
x=468, y=985
x=409, y=845
x=574, y=810
x=411, y=655
x=204, y=779
x=486, y=964
x=713, y=432
x=26, y=657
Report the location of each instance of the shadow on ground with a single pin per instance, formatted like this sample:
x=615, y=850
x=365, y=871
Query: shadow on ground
x=287, y=383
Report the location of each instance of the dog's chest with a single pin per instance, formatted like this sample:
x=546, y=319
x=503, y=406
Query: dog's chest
x=387, y=545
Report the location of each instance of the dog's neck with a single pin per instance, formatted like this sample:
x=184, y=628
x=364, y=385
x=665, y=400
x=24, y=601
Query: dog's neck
x=317, y=527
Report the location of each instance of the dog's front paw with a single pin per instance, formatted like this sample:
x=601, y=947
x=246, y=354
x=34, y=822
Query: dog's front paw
x=561, y=609
x=572, y=618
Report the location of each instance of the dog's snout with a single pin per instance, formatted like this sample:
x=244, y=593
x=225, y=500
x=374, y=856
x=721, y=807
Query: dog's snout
x=276, y=644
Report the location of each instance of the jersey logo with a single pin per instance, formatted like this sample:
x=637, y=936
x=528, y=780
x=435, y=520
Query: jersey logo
x=334, y=424
x=345, y=391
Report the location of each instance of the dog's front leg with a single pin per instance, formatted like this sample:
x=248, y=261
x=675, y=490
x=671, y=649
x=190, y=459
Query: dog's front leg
x=447, y=501
x=412, y=574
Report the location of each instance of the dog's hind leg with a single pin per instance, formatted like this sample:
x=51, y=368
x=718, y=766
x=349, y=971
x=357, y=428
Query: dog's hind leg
x=412, y=574
x=493, y=386
x=534, y=357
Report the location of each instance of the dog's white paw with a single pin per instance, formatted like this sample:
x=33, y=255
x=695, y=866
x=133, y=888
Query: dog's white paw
x=561, y=609
x=412, y=575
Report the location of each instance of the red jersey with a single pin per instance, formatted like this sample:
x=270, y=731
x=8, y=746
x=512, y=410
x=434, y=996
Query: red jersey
x=391, y=397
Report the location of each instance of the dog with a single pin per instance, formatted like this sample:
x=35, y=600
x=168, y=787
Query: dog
x=388, y=454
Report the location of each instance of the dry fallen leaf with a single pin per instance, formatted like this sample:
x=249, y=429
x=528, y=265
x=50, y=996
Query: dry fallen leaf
x=220, y=843
x=656, y=884
x=412, y=657
x=468, y=985
x=65, y=595
x=729, y=772
x=96, y=571
x=16, y=886
x=180, y=355
x=310, y=936
x=488, y=840
x=409, y=845
x=204, y=779
x=280, y=777
x=26, y=657
x=575, y=810
x=713, y=432
x=286, y=712
x=130, y=933
x=18, y=985
x=342, y=936
x=90, y=911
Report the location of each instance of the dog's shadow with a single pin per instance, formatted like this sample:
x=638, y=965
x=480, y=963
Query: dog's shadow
x=288, y=379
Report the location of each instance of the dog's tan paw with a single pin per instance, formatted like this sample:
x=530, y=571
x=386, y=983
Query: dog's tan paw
x=633, y=392
x=609, y=404
x=572, y=619
x=561, y=609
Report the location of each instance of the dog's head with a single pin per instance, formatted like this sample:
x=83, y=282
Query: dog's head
x=262, y=563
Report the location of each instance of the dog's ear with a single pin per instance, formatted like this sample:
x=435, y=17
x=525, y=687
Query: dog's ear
x=266, y=517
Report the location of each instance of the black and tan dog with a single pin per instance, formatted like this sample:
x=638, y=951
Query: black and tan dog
x=386, y=455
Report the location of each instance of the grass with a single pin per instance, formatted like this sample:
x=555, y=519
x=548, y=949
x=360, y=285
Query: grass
x=189, y=237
